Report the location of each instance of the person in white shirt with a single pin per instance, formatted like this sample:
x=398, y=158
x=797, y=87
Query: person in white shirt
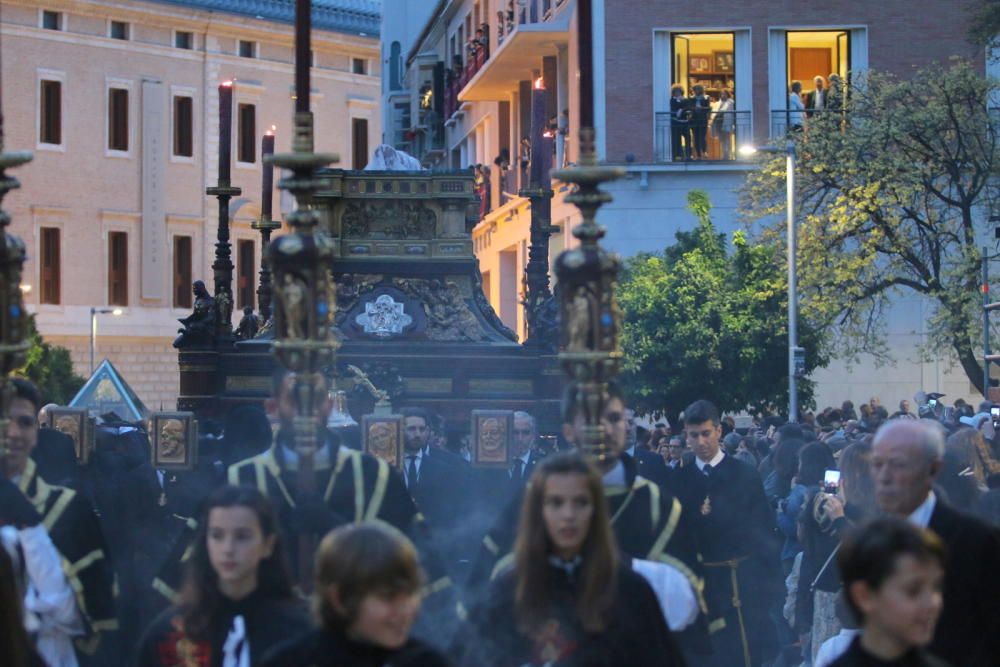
x=51, y=614
x=795, y=107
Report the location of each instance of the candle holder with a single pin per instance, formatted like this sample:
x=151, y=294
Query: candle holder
x=590, y=317
x=538, y=291
x=13, y=319
x=222, y=267
x=305, y=298
x=265, y=226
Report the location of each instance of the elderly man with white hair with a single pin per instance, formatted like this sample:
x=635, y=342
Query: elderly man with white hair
x=906, y=457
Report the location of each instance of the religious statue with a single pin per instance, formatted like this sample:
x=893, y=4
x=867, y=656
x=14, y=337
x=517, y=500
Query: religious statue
x=249, y=324
x=199, y=326
x=292, y=299
x=578, y=327
x=172, y=445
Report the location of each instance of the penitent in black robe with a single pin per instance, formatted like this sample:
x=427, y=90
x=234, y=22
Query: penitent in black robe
x=355, y=487
x=636, y=636
x=649, y=523
x=268, y=621
x=736, y=532
x=76, y=534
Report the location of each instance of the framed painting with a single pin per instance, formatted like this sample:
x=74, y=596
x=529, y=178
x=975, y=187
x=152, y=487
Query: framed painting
x=382, y=437
x=699, y=64
x=74, y=423
x=723, y=61
x=173, y=438
x=492, y=431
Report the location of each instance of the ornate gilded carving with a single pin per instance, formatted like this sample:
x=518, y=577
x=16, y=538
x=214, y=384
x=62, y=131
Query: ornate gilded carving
x=449, y=317
x=387, y=219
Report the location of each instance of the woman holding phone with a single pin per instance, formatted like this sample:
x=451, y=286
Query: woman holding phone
x=568, y=597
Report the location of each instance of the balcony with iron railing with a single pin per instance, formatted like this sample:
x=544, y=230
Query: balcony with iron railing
x=784, y=120
x=524, y=35
x=716, y=138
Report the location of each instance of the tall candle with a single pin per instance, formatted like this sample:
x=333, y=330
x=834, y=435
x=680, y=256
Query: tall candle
x=585, y=50
x=267, y=187
x=537, y=130
x=225, y=129
x=303, y=29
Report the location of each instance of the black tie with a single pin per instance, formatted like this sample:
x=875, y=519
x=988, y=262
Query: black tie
x=517, y=472
x=707, y=470
x=411, y=471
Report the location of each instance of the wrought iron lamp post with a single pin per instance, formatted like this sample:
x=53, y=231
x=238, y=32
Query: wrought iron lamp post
x=590, y=316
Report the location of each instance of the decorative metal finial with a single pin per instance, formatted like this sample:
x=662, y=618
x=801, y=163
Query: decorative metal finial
x=590, y=316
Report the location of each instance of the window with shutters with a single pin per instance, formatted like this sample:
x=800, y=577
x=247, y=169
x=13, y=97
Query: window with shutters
x=118, y=30
x=50, y=113
x=183, y=126
x=247, y=134
x=118, y=119
x=52, y=20
x=49, y=256
x=118, y=268
x=183, y=39
x=359, y=142
x=247, y=49
x=245, y=274
x=182, y=272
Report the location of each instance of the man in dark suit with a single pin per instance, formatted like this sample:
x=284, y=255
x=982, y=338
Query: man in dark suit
x=55, y=457
x=735, y=528
x=906, y=457
x=438, y=485
x=648, y=464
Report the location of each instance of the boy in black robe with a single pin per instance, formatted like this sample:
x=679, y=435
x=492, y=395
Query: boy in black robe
x=69, y=519
x=735, y=527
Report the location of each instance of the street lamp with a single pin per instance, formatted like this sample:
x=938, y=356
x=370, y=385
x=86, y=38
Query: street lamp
x=94, y=312
x=793, y=306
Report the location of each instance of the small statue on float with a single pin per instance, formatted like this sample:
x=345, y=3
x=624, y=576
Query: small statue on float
x=199, y=326
x=249, y=324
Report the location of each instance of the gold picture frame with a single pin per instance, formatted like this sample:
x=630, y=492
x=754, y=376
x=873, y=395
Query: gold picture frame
x=173, y=440
x=723, y=62
x=75, y=423
x=699, y=64
x=382, y=437
x=492, y=432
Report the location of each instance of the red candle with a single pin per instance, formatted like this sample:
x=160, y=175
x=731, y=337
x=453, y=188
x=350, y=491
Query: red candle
x=225, y=130
x=267, y=188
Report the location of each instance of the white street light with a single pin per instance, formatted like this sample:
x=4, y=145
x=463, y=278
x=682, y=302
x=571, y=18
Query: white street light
x=94, y=312
x=793, y=304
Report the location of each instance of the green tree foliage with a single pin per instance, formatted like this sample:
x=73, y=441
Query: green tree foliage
x=984, y=22
x=51, y=369
x=702, y=321
x=895, y=196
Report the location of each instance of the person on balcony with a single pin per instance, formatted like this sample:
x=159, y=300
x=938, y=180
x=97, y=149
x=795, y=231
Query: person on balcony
x=795, y=107
x=724, y=123
x=680, y=124
x=701, y=106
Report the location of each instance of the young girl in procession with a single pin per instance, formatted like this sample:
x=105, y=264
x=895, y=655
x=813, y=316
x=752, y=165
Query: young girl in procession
x=569, y=599
x=237, y=601
x=368, y=588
